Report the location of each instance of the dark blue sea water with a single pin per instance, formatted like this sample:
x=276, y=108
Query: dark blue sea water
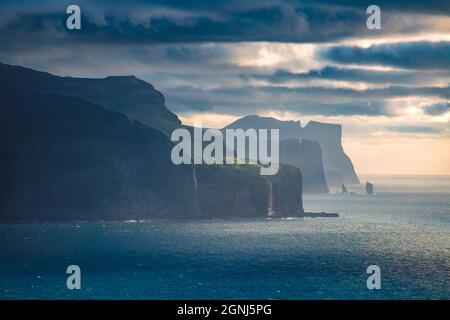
x=404, y=229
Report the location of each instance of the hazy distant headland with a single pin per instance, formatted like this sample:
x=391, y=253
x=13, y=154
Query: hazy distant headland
x=87, y=149
x=315, y=148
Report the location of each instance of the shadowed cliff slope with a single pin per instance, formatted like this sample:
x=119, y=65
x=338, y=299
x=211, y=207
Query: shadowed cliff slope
x=126, y=94
x=66, y=158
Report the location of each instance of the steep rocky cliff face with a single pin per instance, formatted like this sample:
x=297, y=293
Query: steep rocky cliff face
x=63, y=157
x=287, y=188
x=330, y=136
x=307, y=155
x=66, y=158
x=241, y=191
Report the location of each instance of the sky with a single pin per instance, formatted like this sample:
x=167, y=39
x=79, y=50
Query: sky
x=216, y=61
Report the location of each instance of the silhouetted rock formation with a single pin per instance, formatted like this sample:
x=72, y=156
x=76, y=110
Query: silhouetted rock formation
x=369, y=188
x=307, y=156
x=327, y=135
x=334, y=158
x=241, y=189
x=66, y=158
x=126, y=94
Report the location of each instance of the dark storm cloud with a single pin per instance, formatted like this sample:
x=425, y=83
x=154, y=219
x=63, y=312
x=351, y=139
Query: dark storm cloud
x=306, y=100
x=409, y=55
x=353, y=74
x=166, y=36
x=188, y=103
x=249, y=100
x=404, y=5
x=196, y=21
x=363, y=108
x=438, y=109
x=441, y=6
x=376, y=93
x=414, y=129
x=260, y=24
x=196, y=55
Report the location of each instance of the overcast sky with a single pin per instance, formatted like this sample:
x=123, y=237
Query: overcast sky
x=299, y=60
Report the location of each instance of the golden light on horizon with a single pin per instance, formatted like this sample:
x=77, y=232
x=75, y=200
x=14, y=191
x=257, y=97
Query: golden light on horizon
x=377, y=151
x=401, y=155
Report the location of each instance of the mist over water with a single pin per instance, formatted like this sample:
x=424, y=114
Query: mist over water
x=420, y=200
x=409, y=183
x=404, y=228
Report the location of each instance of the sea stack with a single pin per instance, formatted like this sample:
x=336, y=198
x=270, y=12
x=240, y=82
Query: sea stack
x=369, y=188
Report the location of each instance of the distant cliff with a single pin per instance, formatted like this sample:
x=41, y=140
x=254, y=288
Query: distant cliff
x=330, y=138
x=302, y=153
x=307, y=155
x=335, y=161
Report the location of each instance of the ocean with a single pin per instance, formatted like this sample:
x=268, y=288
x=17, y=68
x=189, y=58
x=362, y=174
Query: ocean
x=404, y=228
